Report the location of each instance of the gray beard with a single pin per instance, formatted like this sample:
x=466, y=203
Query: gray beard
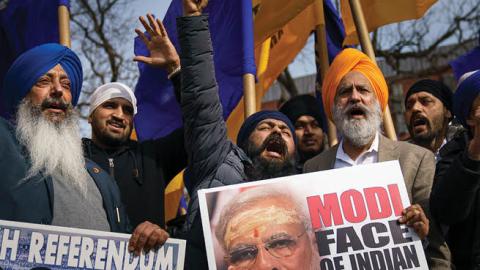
x=55, y=149
x=359, y=132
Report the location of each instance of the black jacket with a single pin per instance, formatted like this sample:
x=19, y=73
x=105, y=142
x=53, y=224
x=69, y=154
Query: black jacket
x=455, y=201
x=213, y=159
x=32, y=201
x=142, y=170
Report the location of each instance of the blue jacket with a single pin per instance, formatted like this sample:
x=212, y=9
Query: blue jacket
x=32, y=201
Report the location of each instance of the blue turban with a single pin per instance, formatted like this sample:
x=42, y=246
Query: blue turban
x=31, y=65
x=463, y=98
x=252, y=121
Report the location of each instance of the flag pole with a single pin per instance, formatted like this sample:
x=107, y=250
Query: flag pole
x=64, y=25
x=322, y=50
x=262, y=67
x=366, y=43
x=249, y=94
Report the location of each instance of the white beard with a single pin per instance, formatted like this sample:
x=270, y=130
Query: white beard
x=55, y=149
x=359, y=132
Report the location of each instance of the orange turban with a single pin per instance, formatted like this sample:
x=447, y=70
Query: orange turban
x=352, y=60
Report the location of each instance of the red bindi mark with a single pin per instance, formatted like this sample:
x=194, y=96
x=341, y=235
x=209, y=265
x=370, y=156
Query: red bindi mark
x=255, y=232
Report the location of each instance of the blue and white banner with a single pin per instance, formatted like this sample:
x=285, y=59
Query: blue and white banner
x=33, y=246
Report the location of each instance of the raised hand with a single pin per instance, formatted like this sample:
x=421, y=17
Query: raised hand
x=162, y=52
x=414, y=217
x=193, y=7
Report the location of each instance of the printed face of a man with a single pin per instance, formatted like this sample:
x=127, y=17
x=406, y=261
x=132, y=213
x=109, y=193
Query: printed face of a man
x=268, y=236
x=52, y=94
x=112, y=121
x=425, y=116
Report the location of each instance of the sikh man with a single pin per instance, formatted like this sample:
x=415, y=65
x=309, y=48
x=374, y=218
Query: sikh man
x=355, y=94
x=303, y=111
x=266, y=140
x=54, y=184
x=263, y=229
x=142, y=169
x=428, y=112
x=455, y=199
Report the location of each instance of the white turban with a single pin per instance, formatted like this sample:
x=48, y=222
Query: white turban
x=109, y=91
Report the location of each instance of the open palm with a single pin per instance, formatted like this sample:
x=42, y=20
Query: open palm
x=162, y=51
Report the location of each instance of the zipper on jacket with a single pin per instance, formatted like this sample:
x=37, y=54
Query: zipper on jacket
x=111, y=167
x=118, y=214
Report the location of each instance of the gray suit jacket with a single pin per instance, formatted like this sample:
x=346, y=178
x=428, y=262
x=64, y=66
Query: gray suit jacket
x=418, y=168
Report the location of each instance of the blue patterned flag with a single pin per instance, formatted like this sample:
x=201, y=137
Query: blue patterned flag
x=467, y=62
x=25, y=24
x=231, y=26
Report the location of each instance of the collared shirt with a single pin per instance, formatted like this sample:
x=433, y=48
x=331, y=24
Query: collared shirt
x=368, y=157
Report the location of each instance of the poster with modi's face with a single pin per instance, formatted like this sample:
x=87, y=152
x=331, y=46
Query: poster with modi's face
x=336, y=219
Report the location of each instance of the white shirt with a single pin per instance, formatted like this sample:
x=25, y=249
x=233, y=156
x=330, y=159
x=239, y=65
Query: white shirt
x=368, y=157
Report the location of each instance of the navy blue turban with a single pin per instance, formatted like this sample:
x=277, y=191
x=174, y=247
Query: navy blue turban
x=302, y=105
x=463, y=98
x=252, y=121
x=31, y=65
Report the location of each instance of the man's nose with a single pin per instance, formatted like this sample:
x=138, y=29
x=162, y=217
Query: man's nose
x=119, y=113
x=416, y=107
x=355, y=95
x=57, y=89
x=265, y=261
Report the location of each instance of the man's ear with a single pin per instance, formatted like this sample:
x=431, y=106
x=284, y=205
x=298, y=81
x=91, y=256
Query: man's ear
x=89, y=119
x=448, y=114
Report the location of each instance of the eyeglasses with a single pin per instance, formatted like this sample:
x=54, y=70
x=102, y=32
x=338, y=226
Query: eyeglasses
x=279, y=246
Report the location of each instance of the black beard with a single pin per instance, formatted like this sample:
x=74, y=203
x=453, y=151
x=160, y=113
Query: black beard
x=263, y=168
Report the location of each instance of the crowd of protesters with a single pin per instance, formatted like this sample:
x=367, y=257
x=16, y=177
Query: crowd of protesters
x=112, y=183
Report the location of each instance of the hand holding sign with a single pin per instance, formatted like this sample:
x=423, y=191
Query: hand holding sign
x=415, y=217
x=147, y=236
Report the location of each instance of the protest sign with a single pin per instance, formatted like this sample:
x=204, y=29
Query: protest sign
x=33, y=246
x=336, y=219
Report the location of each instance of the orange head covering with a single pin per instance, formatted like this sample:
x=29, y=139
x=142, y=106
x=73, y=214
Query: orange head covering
x=352, y=60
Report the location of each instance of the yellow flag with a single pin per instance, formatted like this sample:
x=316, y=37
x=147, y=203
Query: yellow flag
x=381, y=12
x=285, y=45
x=271, y=15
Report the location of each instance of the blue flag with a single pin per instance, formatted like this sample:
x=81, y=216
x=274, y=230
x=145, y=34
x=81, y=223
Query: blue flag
x=467, y=62
x=335, y=35
x=25, y=24
x=231, y=26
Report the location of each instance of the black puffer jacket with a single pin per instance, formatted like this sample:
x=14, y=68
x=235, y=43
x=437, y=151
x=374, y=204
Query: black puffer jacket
x=142, y=170
x=213, y=160
x=455, y=201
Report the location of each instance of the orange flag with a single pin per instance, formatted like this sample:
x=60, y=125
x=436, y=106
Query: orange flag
x=271, y=15
x=381, y=12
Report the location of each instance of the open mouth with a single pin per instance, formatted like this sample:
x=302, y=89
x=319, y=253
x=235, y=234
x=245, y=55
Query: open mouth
x=56, y=107
x=275, y=147
x=357, y=113
x=419, y=122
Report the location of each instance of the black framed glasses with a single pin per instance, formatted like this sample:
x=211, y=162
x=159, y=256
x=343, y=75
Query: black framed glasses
x=279, y=246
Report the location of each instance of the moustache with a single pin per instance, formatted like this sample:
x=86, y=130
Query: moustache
x=356, y=109
x=115, y=122
x=419, y=119
x=54, y=103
